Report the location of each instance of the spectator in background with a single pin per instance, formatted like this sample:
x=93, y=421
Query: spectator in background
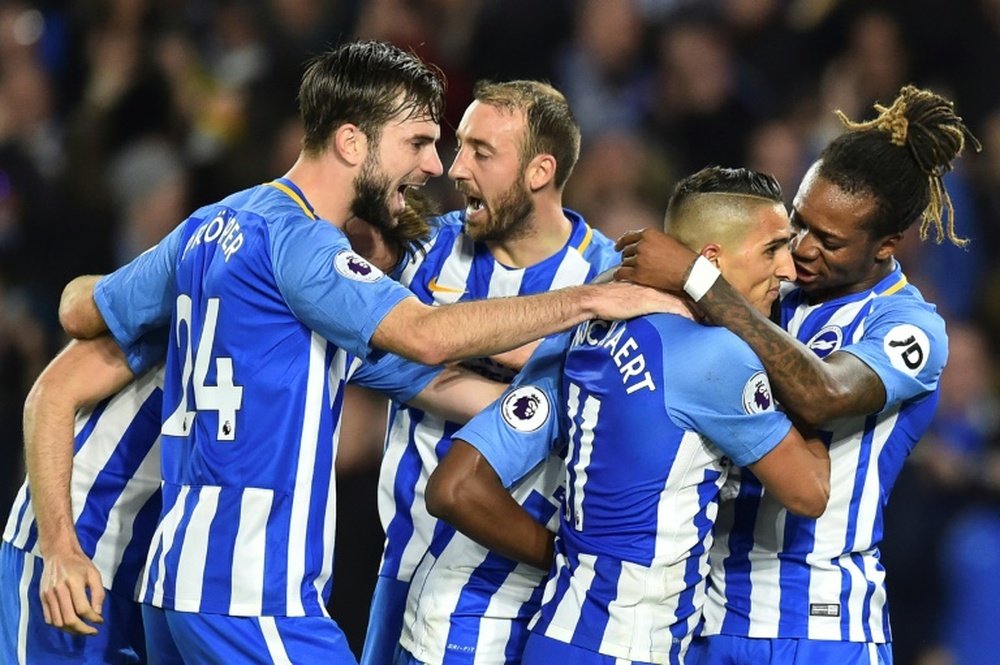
x=603, y=71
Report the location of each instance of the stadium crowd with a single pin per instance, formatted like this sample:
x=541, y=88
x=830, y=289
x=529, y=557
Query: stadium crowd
x=119, y=117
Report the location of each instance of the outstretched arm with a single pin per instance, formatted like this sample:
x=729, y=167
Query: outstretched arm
x=436, y=335
x=81, y=375
x=466, y=492
x=815, y=390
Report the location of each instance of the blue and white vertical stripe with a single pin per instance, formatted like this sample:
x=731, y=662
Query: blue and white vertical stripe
x=776, y=575
x=115, y=485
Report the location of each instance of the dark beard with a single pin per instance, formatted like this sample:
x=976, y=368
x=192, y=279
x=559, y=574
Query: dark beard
x=509, y=219
x=371, y=196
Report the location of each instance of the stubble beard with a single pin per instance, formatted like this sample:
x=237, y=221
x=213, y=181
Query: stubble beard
x=509, y=218
x=371, y=195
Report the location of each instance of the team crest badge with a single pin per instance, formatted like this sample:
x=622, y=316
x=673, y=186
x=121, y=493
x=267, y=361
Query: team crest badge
x=525, y=408
x=757, y=396
x=908, y=348
x=352, y=266
x=826, y=341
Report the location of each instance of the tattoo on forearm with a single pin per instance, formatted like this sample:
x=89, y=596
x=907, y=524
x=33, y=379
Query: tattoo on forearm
x=795, y=372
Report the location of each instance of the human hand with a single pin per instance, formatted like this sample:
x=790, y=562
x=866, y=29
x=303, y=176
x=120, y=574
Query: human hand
x=655, y=259
x=624, y=300
x=66, y=578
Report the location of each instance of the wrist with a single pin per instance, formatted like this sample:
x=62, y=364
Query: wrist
x=701, y=276
x=59, y=543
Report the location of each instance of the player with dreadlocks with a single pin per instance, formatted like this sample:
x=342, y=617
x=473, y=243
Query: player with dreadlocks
x=860, y=360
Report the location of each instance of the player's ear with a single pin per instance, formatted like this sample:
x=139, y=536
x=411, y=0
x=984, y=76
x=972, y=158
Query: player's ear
x=350, y=144
x=887, y=246
x=540, y=172
x=711, y=251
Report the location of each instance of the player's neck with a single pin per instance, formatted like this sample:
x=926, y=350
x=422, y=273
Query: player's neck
x=545, y=233
x=326, y=185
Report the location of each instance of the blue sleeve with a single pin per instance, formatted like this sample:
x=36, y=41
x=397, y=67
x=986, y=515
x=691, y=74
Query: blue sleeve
x=522, y=427
x=329, y=287
x=148, y=351
x=395, y=376
x=719, y=389
x=139, y=297
x=905, y=343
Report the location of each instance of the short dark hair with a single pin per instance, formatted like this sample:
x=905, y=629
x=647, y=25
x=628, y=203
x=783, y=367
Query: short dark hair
x=722, y=180
x=898, y=159
x=366, y=83
x=551, y=127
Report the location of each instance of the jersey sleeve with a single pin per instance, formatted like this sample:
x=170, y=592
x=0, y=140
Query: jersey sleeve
x=139, y=296
x=148, y=351
x=395, y=376
x=330, y=288
x=720, y=390
x=905, y=343
x=521, y=428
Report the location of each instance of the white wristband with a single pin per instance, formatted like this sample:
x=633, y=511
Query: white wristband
x=702, y=277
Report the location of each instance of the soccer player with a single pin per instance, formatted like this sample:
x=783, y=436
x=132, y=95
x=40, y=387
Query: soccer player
x=73, y=552
x=270, y=313
x=861, y=360
x=96, y=526
x=517, y=145
x=648, y=414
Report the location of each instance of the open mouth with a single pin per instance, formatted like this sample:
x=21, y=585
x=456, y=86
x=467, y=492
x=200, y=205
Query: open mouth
x=473, y=205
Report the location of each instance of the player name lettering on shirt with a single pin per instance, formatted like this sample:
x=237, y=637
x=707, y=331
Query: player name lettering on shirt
x=224, y=231
x=611, y=336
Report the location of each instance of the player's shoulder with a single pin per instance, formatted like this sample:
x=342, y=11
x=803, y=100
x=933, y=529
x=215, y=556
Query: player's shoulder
x=691, y=344
x=591, y=243
x=906, y=308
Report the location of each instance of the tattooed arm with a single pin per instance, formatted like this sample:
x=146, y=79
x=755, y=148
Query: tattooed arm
x=816, y=390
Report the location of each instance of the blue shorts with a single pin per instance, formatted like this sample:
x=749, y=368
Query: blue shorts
x=26, y=638
x=542, y=650
x=404, y=657
x=730, y=650
x=385, y=622
x=175, y=638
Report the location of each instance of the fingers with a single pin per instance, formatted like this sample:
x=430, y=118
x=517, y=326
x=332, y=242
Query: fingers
x=625, y=273
x=66, y=603
x=628, y=238
x=68, y=618
x=82, y=605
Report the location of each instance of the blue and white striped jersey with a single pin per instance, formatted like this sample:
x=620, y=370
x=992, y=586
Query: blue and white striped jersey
x=649, y=410
x=778, y=575
x=455, y=268
x=115, y=486
x=471, y=605
x=270, y=312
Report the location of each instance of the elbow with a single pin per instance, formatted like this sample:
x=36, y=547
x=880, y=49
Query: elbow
x=75, y=309
x=812, y=502
x=824, y=406
x=441, y=496
x=424, y=348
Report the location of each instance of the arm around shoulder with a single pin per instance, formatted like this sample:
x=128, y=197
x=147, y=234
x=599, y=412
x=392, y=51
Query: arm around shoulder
x=78, y=313
x=472, y=329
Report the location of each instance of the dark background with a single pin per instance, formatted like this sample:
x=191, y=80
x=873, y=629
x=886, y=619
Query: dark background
x=118, y=117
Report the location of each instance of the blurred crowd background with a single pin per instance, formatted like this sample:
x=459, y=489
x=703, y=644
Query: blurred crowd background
x=118, y=117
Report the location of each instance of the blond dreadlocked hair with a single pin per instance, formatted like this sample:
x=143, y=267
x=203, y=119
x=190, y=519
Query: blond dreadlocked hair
x=900, y=157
